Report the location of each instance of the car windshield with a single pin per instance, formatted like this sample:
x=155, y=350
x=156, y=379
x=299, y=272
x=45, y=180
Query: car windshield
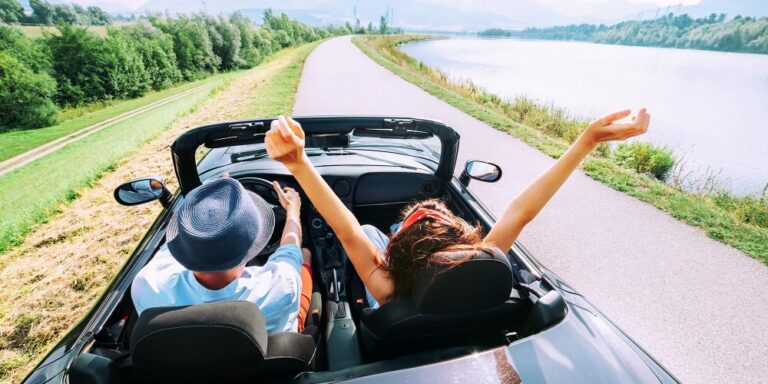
x=426, y=150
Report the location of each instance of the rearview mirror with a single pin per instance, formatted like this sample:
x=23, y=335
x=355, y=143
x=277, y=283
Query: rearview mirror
x=142, y=191
x=480, y=170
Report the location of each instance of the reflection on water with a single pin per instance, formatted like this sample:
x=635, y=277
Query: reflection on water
x=710, y=107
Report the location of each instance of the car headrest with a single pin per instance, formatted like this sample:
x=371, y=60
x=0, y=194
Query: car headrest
x=483, y=281
x=199, y=342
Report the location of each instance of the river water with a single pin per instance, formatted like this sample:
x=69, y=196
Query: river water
x=711, y=108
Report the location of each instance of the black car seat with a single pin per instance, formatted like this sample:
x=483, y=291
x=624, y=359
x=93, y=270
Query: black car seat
x=217, y=342
x=471, y=304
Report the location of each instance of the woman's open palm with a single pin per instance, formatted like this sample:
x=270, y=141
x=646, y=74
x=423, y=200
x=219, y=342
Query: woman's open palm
x=607, y=128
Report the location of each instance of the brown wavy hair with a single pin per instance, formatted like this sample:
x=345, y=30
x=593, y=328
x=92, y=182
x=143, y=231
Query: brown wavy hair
x=429, y=242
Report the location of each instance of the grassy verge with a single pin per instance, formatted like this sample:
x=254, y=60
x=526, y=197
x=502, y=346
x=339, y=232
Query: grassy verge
x=15, y=142
x=30, y=194
x=51, y=280
x=741, y=222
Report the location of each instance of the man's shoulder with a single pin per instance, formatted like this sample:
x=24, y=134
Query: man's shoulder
x=289, y=254
x=162, y=270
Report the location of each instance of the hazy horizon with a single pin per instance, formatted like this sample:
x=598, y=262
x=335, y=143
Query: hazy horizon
x=445, y=15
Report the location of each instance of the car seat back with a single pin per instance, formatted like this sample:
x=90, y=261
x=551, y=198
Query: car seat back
x=216, y=342
x=470, y=304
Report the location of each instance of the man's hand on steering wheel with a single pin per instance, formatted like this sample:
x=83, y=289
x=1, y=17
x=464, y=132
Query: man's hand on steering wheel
x=289, y=199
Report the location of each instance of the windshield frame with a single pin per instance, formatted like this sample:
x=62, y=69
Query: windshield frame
x=237, y=133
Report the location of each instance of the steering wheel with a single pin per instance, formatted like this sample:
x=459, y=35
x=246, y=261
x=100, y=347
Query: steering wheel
x=264, y=189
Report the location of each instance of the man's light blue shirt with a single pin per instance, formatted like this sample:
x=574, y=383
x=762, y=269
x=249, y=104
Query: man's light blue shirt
x=275, y=287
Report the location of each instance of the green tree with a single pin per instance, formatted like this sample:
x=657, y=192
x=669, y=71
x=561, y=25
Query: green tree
x=98, y=16
x=156, y=51
x=81, y=65
x=248, y=49
x=25, y=96
x=42, y=11
x=11, y=11
x=191, y=44
x=65, y=14
x=225, y=42
x=127, y=76
x=383, y=25
x=32, y=53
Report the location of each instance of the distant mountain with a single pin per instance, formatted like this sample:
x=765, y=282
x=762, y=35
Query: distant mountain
x=224, y=6
x=596, y=12
x=444, y=15
x=411, y=15
x=754, y=8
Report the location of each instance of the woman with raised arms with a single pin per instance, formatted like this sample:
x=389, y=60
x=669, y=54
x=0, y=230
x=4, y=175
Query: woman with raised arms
x=389, y=266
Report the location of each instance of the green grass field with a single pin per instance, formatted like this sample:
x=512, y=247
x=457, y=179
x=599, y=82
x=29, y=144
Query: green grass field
x=15, y=142
x=741, y=222
x=31, y=193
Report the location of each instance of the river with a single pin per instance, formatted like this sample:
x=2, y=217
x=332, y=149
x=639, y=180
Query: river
x=710, y=108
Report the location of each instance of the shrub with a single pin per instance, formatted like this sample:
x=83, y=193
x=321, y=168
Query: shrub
x=156, y=50
x=645, y=158
x=127, y=76
x=25, y=95
x=748, y=209
x=191, y=44
x=81, y=63
x=29, y=52
x=283, y=39
x=248, y=51
x=225, y=42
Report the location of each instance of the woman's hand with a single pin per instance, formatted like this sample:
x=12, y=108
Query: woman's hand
x=532, y=199
x=285, y=141
x=607, y=129
x=289, y=198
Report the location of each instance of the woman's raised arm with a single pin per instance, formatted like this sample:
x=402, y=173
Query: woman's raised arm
x=529, y=203
x=285, y=143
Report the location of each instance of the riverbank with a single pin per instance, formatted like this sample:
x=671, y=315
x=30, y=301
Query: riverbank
x=51, y=280
x=713, y=33
x=741, y=222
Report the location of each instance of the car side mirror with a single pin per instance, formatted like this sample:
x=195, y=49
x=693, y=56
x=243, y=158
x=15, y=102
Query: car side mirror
x=142, y=191
x=480, y=170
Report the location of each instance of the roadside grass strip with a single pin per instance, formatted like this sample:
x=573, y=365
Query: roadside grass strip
x=737, y=221
x=54, y=277
x=50, y=147
x=15, y=142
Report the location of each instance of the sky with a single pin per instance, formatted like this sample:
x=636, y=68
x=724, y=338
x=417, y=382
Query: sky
x=133, y=4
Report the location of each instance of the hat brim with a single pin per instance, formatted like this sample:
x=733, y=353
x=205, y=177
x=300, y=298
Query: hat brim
x=267, y=227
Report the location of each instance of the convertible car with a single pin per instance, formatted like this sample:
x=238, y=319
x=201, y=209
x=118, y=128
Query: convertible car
x=492, y=319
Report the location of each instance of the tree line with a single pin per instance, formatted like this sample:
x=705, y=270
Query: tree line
x=716, y=32
x=45, y=13
x=39, y=76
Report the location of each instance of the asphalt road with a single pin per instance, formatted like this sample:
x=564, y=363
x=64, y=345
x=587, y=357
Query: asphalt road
x=698, y=306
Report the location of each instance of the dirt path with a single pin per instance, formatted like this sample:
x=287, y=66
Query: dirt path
x=698, y=306
x=50, y=281
x=25, y=158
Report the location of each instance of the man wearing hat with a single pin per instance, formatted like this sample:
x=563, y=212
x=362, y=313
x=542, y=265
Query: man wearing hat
x=219, y=228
